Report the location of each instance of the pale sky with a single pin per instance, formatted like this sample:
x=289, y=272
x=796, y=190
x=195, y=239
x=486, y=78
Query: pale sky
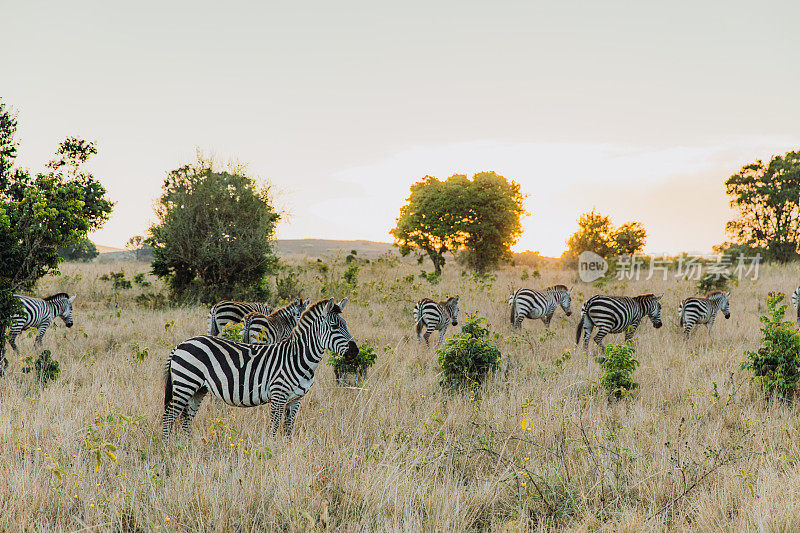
x=641, y=109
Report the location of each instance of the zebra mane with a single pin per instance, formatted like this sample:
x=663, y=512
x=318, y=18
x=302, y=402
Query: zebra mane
x=714, y=294
x=558, y=288
x=57, y=296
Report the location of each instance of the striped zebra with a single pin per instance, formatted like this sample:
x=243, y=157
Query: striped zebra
x=227, y=311
x=533, y=304
x=616, y=314
x=703, y=310
x=430, y=315
x=269, y=329
x=39, y=313
x=246, y=375
x=796, y=301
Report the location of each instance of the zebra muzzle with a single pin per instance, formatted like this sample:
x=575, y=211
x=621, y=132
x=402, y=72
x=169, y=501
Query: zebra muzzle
x=352, y=349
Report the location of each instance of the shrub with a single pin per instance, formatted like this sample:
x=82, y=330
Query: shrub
x=776, y=365
x=356, y=365
x=152, y=300
x=119, y=281
x=713, y=282
x=140, y=280
x=288, y=286
x=47, y=368
x=431, y=277
x=468, y=356
x=351, y=275
x=232, y=331
x=618, y=366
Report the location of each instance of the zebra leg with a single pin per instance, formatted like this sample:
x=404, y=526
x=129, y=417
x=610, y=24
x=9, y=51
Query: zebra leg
x=191, y=409
x=3, y=366
x=587, y=334
x=428, y=331
x=418, y=327
x=687, y=329
x=291, y=413
x=42, y=329
x=709, y=326
x=276, y=408
x=629, y=333
x=171, y=413
x=441, y=335
x=598, y=339
x=12, y=336
x=546, y=319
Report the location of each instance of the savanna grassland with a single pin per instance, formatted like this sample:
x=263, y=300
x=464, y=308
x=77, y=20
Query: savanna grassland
x=539, y=446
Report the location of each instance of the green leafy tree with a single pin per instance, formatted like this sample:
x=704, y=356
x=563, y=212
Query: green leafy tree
x=767, y=198
x=214, y=236
x=628, y=239
x=83, y=250
x=481, y=215
x=42, y=212
x=596, y=233
x=138, y=245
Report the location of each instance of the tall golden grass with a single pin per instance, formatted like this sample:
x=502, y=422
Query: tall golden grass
x=538, y=447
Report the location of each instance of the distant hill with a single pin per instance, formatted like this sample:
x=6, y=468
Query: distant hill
x=323, y=247
x=108, y=249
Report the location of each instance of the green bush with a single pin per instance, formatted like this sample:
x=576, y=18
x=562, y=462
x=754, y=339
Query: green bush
x=712, y=282
x=776, y=365
x=152, y=300
x=351, y=275
x=232, y=331
x=356, y=365
x=287, y=286
x=47, y=368
x=468, y=356
x=618, y=366
x=141, y=280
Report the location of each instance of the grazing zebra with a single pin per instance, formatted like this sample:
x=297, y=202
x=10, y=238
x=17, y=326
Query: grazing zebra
x=246, y=375
x=226, y=311
x=39, y=313
x=430, y=315
x=796, y=301
x=529, y=303
x=269, y=329
x=703, y=310
x=616, y=314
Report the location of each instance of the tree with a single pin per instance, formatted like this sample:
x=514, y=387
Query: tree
x=596, y=233
x=767, y=198
x=83, y=250
x=39, y=214
x=214, y=235
x=629, y=238
x=481, y=215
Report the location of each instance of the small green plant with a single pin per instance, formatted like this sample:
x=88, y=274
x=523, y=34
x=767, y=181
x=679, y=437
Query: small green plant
x=431, y=277
x=141, y=353
x=354, y=365
x=618, y=365
x=119, y=281
x=712, y=282
x=525, y=275
x=141, y=280
x=468, y=357
x=152, y=300
x=776, y=365
x=47, y=368
x=232, y=331
x=351, y=275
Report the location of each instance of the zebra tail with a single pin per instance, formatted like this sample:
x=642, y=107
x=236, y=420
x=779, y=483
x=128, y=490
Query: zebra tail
x=513, y=308
x=579, y=331
x=212, y=323
x=682, y=313
x=418, y=326
x=168, y=383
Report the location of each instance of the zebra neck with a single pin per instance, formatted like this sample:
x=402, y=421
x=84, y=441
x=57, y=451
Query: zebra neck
x=307, y=350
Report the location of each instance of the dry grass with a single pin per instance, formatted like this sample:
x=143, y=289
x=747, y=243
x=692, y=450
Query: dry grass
x=697, y=447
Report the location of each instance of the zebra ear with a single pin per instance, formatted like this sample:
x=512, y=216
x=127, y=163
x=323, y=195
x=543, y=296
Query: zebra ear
x=72, y=298
x=342, y=304
x=658, y=298
x=728, y=295
x=308, y=301
x=329, y=306
x=570, y=290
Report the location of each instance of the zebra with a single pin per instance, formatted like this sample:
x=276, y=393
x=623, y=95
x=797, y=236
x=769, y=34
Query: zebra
x=616, y=314
x=39, y=313
x=703, y=310
x=530, y=303
x=246, y=375
x=796, y=301
x=430, y=315
x=269, y=329
x=227, y=311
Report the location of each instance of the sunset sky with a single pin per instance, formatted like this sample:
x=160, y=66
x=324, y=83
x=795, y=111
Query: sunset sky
x=640, y=109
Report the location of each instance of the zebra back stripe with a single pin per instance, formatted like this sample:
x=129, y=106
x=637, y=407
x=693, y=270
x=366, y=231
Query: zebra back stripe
x=272, y=328
x=531, y=303
x=227, y=311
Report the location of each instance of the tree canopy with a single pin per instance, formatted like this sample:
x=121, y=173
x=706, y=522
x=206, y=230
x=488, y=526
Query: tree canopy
x=214, y=236
x=767, y=198
x=83, y=250
x=41, y=213
x=596, y=233
x=480, y=215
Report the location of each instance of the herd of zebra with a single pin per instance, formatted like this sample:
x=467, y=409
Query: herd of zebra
x=282, y=348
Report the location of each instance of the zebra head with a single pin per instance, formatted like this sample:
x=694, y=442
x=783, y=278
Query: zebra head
x=63, y=306
x=297, y=307
x=720, y=300
x=452, y=306
x=337, y=337
x=651, y=304
x=563, y=298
